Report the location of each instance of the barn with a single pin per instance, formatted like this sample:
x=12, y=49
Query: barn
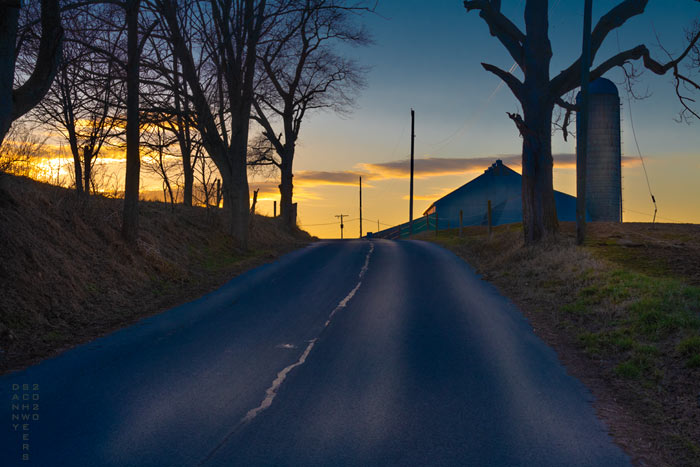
x=499, y=184
x=502, y=186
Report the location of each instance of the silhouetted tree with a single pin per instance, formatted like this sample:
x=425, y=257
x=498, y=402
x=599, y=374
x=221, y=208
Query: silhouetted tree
x=685, y=85
x=167, y=105
x=216, y=43
x=303, y=72
x=84, y=102
x=15, y=102
x=538, y=92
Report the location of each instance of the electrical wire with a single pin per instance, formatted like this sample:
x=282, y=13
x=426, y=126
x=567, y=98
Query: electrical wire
x=634, y=134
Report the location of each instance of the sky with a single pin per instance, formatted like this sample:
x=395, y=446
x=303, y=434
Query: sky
x=426, y=56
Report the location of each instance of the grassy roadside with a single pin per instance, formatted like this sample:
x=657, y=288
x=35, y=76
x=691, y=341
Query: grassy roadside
x=623, y=313
x=67, y=276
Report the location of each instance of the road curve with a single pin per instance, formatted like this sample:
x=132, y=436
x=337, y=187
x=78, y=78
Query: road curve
x=342, y=353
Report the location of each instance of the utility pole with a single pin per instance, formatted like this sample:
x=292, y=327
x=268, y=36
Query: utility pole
x=410, y=204
x=340, y=216
x=582, y=136
x=360, y=206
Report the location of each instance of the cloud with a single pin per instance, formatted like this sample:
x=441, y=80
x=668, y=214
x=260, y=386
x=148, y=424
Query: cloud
x=432, y=166
x=441, y=166
x=315, y=178
x=269, y=190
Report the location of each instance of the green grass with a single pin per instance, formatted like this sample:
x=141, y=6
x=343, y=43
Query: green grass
x=634, y=314
x=653, y=307
x=630, y=259
x=690, y=349
x=642, y=363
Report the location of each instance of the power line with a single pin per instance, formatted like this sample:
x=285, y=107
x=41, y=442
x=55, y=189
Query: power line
x=634, y=134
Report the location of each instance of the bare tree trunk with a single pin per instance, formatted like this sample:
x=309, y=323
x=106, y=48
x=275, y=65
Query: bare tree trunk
x=189, y=178
x=166, y=181
x=238, y=204
x=88, y=156
x=539, y=210
x=130, y=221
x=16, y=102
x=183, y=134
x=286, y=193
x=75, y=151
x=8, y=25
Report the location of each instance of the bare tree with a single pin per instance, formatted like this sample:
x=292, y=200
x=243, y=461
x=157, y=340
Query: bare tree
x=83, y=104
x=220, y=71
x=159, y=161
x=302, y=73
x=207, y=186
x=21, y=148
x=15, y=102
x=538, y=93
x=167, y=105
x=128, y=62
x=685, y=87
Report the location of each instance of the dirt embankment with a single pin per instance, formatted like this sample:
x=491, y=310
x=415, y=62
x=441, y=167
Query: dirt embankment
x=622, y=312
x=67, y=276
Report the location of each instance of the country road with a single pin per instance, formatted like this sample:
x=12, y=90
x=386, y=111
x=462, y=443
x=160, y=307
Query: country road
x=342, y=353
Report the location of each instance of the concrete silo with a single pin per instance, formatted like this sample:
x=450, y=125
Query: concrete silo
x=604, y=163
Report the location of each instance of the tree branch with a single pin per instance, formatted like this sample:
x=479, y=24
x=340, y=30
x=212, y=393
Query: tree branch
x=513, y=83
x=35, y=88
x=616, y=17
x=500, y=27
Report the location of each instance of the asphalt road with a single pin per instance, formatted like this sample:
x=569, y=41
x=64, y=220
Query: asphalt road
x=343, y=353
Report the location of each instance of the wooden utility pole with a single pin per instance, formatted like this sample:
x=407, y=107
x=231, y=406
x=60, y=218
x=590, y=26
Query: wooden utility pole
x=582, y=136
x=410, y=203
x=360, y=207
x=340, y=216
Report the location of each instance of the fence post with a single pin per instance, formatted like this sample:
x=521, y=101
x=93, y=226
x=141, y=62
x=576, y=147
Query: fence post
x=489, y=215
x=274, y=208
x=460, y=222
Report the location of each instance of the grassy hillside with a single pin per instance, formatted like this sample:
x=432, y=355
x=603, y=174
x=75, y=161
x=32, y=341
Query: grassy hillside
x=623, y=313
x=68, y=277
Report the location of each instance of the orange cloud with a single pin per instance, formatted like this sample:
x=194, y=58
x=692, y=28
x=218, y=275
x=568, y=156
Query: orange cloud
x=440, y=166
x=315, y=178
x=432, y=166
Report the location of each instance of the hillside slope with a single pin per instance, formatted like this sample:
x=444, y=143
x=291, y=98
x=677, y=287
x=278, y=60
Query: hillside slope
x=67, y=276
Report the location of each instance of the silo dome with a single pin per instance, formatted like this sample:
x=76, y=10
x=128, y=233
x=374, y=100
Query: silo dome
x=602, y=86
x=604, y=162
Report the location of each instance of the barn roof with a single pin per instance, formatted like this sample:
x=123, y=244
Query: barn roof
x=506, y=176
x=503, y=187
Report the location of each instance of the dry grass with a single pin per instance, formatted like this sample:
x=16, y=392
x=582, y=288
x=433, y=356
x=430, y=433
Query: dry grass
x=68, y=277
x=623, y=313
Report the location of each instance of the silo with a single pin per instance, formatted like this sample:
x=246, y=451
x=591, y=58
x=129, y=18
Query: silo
x=604, y=163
